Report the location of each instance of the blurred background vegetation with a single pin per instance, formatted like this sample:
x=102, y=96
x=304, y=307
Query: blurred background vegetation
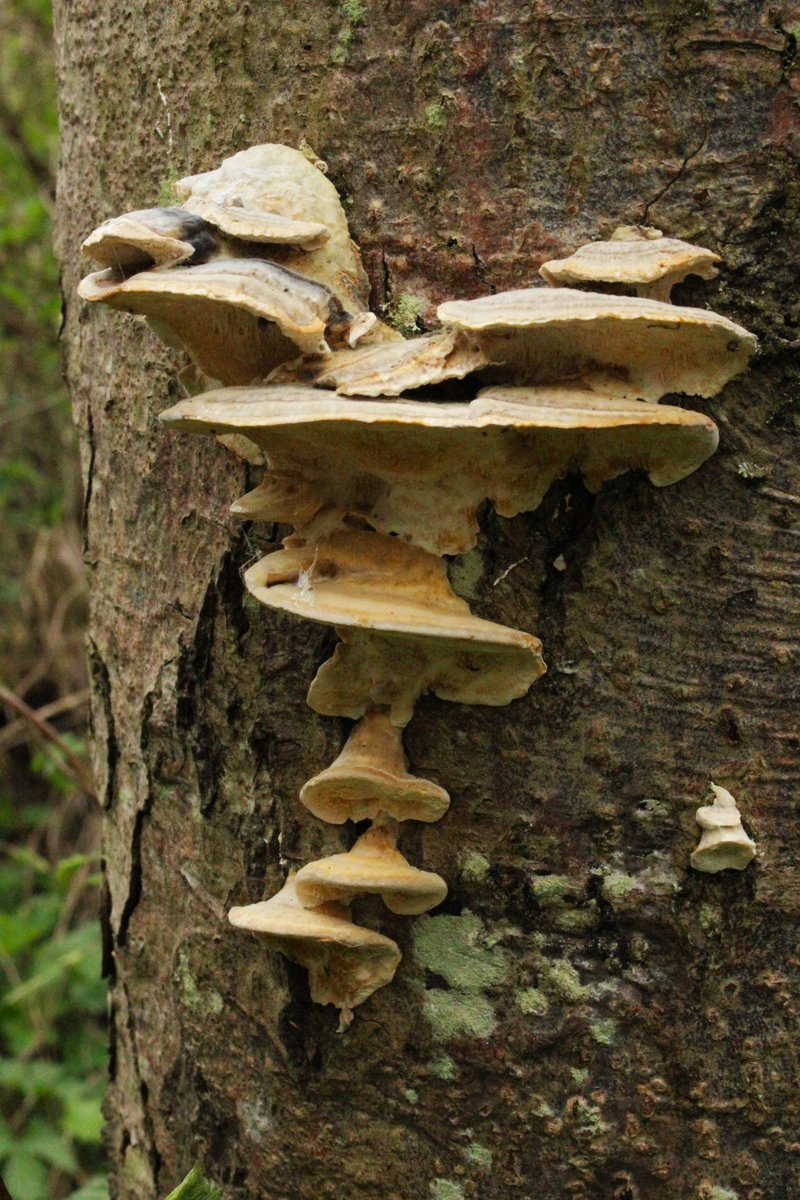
x=52, y=1001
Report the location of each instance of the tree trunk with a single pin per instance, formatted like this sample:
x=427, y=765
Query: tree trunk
x=585, y=1016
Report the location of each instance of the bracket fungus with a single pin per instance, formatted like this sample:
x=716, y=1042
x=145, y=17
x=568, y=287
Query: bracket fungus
x=257, y=278
x=257, y=265
x=370, y=777
x=724, y=843
x=635, y=257
x=345, y=962
x=373, y=865
x=631, y=348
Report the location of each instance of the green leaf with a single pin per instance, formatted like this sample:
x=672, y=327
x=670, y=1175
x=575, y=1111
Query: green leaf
x=53, y=973
x=35, y=1080
x=47, y=1144
x=25, y=857
x=25, y=1176
x=95, y=1188
x=195, y=1187
x=83, y=1118
x=33, y=920
x=67, y=867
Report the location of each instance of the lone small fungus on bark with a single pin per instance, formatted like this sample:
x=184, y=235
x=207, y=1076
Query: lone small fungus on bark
x=256, y=277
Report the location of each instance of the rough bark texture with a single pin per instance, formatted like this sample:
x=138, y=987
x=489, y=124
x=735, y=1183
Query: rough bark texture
x=586, y=1017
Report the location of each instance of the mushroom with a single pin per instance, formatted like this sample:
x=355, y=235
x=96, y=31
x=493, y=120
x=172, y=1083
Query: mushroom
x=388, y=368
x=345, y=962
x=633, y=257
x=160, y=237
x=257, y=266
x=249, y=190
x=373, y=865
x=273, y=268
x=403, y=630
x=621, y=345
x=369, y=777
x=723, y=843
x=236, y=317
x=422, y=470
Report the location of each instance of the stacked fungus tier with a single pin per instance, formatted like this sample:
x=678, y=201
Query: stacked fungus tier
x=257, y=279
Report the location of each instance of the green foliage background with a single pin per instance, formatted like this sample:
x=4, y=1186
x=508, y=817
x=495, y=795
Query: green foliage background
x=52, y=1000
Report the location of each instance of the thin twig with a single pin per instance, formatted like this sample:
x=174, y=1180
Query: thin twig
x=15, y=733
x=76, y=767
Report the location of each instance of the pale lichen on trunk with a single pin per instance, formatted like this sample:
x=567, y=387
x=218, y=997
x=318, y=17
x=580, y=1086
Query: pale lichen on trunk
x=587, y=1016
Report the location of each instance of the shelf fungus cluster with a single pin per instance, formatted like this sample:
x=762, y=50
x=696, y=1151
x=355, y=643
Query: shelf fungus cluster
x=256, y=277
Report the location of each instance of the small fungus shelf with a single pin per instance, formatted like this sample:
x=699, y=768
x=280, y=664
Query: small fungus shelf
x=256, y=277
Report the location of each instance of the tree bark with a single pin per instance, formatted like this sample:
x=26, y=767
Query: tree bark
x=585, y=1017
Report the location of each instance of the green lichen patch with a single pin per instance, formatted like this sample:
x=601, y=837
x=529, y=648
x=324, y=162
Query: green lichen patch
x=603, y=1031
x=481, y=1156
x=443, y=1067
x=411, y=1095
x=457, y=947
x=576, y=920
x=403, y=312
x=435, y=116
x=466, y=573
x=552, y=889
x=560, y=978
x=354, y=10
x=209, y=1000
x=579, y=1075
x=167, y=196
x=460, y=950
x=616, y=886
x=533, y=1002
x=456, y=1014
x=474, y=866
x=721, y=1193
x=446, y=1189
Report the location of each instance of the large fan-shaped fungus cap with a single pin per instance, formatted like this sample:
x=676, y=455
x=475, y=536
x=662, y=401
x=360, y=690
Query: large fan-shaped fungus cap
x=421, y=636
x=621, y=345
x=237, y=317
x=373, y=865
x=246, y=194
x=390, y=367
x=369, y=777
x=345, y=962
x=724, y=843
x=159, y=237
x=633, y=258
x=421, y=470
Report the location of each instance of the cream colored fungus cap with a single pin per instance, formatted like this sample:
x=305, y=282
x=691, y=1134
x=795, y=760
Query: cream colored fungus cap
x=422, y=470
x=236, y=317
x=346, y=963
x=653, y=265
x=374, y=865
x=370, y=777
x=621, y=345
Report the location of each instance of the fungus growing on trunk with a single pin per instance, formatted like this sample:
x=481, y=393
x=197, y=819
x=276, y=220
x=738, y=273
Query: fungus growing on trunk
x=370, y=777
x=153, y=237
x=422, y=470
x=724, y=844
x=234, y=316
x=373, y=865
x=633, y=257
x=345, y=962
x=256, y=265
x=379, y=485
x=390, y=367
x=412, y=633
x=627, y=347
